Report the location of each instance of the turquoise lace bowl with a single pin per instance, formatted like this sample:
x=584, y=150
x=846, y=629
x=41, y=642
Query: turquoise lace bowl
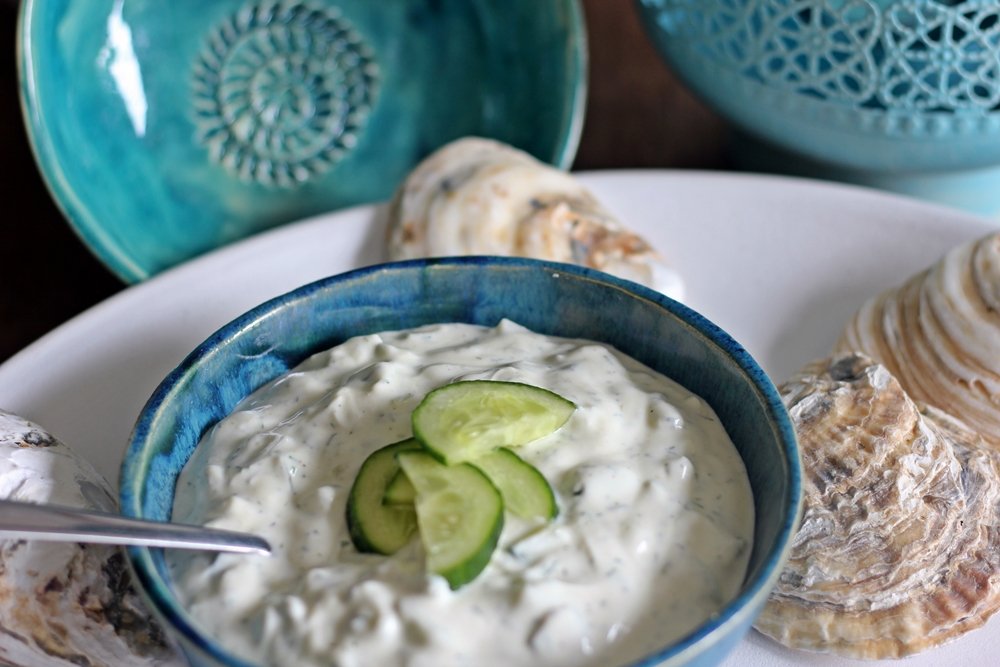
x=166, y=129
x=877, y=91
x=549, y=298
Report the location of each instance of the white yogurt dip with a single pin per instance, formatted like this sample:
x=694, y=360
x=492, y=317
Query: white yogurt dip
x=653, y=535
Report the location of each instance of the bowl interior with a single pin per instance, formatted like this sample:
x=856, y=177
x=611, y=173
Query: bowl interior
x=164, y=130
x=549, y=298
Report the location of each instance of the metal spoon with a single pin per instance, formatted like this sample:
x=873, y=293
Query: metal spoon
x=54, y=523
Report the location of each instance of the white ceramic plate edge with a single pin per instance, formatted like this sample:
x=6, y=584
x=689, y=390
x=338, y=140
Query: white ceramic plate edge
x=780, y=263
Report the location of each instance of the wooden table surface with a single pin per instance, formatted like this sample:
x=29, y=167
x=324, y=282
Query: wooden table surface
x=638, y=115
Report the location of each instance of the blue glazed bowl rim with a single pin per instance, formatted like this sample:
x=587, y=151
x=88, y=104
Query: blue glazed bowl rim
x=738, y=611
x=89, y=227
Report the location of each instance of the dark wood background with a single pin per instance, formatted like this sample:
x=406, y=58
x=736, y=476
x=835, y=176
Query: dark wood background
x=638, y=115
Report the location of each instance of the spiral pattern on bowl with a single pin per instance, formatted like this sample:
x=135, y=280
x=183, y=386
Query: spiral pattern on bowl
x=281, y=91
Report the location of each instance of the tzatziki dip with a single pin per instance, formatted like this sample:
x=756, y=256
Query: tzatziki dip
x=653, y=532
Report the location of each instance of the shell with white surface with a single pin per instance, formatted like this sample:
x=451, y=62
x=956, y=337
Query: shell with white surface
x=66, y=604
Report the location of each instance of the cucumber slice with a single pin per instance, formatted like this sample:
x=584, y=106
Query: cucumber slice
x=526, y=492
x=400, y=490
x=462, y=421
x=460, y=515
x=374, y=527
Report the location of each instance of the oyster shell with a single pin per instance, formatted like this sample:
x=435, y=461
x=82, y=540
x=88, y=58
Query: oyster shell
x=65, y=604
x=899, y=544
x=481, y=197
x=939, y=334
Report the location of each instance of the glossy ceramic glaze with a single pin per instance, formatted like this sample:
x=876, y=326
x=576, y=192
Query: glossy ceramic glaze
x=872, y=91
x=549, y=298
x=165, y=129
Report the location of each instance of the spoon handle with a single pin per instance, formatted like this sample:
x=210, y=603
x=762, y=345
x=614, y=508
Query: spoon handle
x=54, y=523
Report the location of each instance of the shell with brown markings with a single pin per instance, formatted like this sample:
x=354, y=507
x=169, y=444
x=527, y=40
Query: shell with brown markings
x=65, y=604
x=939, y=334
x=899, y=544
x=481, y=197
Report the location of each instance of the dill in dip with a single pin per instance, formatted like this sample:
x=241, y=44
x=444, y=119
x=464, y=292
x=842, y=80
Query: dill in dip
x=652, y=536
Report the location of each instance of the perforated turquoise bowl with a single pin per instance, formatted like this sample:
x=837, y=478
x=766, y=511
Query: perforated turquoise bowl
x=901, y=94
x=549, y=298
x=166, y=129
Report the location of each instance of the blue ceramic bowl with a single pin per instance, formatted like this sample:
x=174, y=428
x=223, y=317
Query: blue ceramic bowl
x=547, y=297
x=166, y=129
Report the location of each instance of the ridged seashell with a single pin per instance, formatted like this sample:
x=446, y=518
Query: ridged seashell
x=939, y=334
x=65, y=604
x=899, y=544
x=481, y=197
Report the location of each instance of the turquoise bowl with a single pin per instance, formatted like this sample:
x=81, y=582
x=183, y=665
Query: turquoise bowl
x=166, y=129
x=901, y=94
x=547, y=297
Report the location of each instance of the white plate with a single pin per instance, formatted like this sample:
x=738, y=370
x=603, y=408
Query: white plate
x=779, y=263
